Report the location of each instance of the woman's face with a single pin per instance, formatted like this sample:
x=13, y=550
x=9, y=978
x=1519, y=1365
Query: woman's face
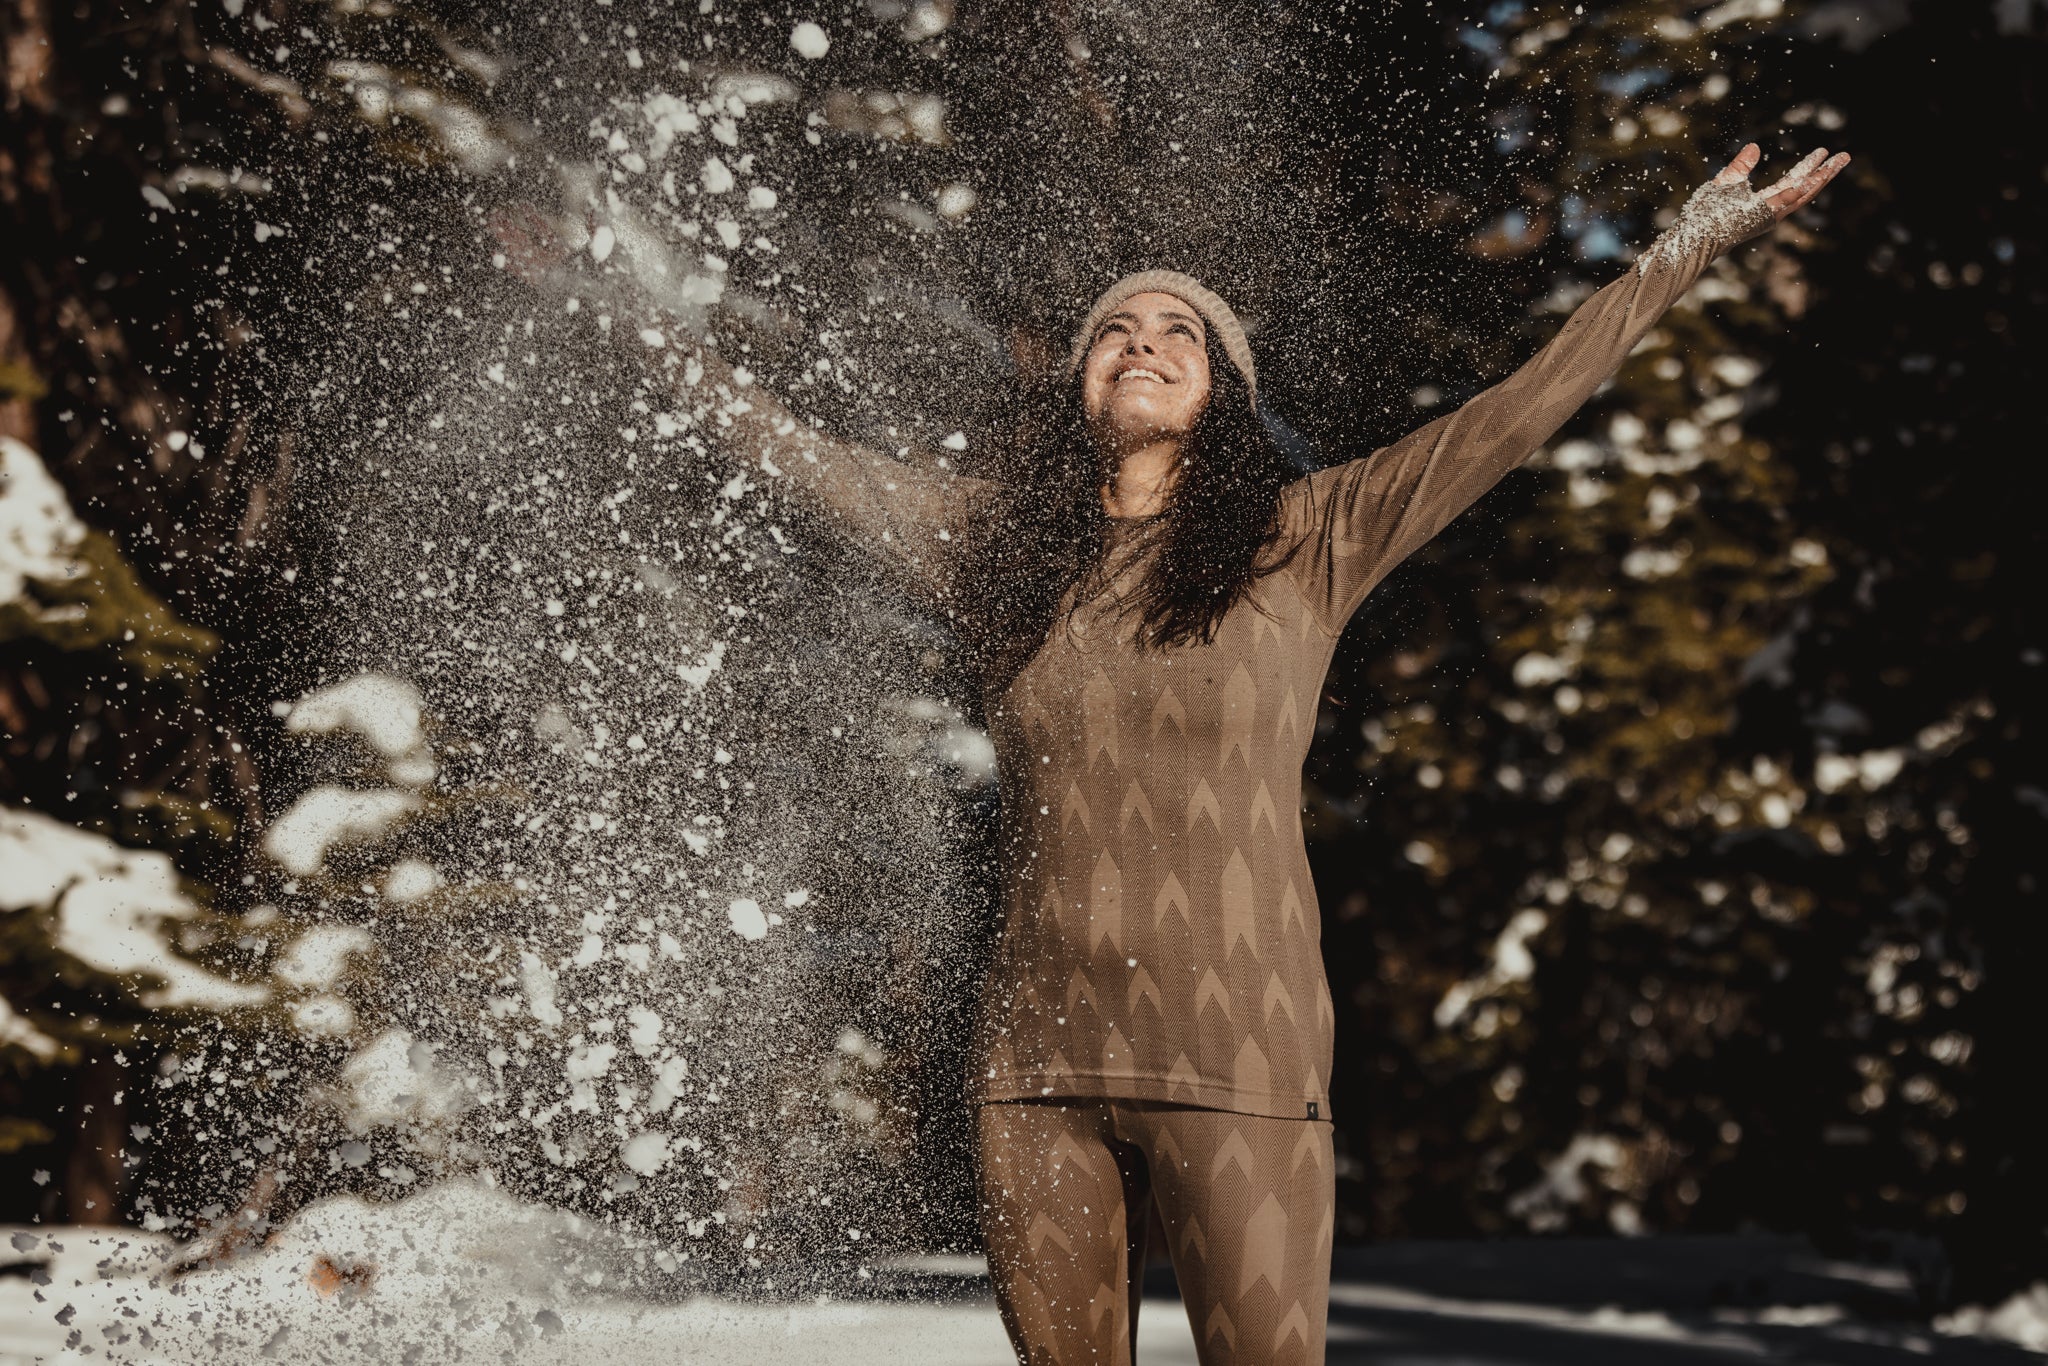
x=1146, y=375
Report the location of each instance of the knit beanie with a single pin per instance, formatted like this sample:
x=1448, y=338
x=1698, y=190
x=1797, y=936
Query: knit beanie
x=1224, y=327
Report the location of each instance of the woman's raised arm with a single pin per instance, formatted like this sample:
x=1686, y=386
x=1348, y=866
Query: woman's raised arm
x=909, y=515
x=1360, y=519
x=912, y=516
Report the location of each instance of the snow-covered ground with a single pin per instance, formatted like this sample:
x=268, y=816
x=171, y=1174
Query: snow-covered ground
x=460, y=1273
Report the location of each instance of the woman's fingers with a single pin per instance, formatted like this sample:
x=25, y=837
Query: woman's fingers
x=1805, y=191
x=530, y=243
x=1807, y=180
x=1738, y=170
x=1797, y=175
x=1796, y=188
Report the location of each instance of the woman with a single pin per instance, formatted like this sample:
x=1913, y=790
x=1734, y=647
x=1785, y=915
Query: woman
x=1154, y=616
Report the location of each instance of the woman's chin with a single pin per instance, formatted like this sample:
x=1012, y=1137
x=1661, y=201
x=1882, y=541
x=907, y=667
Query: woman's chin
x=1139, y=420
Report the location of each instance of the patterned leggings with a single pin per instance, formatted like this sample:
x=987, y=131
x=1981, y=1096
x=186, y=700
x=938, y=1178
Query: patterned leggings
x=1248, y=1204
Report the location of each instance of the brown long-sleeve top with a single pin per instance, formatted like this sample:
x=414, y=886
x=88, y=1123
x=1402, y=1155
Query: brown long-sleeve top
x=1161, y=938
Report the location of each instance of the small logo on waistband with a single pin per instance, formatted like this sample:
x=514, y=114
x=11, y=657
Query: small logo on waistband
x=1312, y=1111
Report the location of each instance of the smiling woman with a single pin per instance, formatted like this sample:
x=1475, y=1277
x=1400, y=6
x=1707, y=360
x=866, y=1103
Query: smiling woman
x=1144, y=387
x=1152, y=608
x=1151, y=438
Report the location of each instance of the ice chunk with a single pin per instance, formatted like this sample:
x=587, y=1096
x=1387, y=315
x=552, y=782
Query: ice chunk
x=323, y=1016
x=588, y=1062
x=537, y=980
x=669, y=118
x=668, y=1084
x=698, y=674
x=956, y=200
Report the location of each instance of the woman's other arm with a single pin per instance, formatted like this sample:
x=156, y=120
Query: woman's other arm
x=911, y=515
x=908, y=514
x=1362, y=518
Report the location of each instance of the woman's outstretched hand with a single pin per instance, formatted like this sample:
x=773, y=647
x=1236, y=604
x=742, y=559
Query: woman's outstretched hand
x=1726, y=211
x=1799, y=185
x=531, y=246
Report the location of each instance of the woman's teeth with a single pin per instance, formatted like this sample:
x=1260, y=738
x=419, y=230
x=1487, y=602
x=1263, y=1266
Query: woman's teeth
x=1139, y=372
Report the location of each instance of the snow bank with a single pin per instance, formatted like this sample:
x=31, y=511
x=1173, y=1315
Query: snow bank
x=2023, y=1319
x=110, y=906
x=462, y=1271
x=459, y=1272
x=1545, y=1205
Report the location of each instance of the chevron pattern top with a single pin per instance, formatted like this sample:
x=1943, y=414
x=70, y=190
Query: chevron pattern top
x=1161, y=936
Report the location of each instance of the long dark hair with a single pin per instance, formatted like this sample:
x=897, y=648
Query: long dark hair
x=1218, y=534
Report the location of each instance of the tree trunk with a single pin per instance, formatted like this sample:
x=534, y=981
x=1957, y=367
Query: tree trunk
x=94, y=1170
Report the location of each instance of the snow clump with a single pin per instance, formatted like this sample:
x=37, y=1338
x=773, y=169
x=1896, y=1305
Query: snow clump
x=110, y=906
x=746, y=918
x=411, y=880
x=318, y=957
x=394, y=1079
x=39, y=536
x=327, y=816
x=383, y=710
x=809, y=41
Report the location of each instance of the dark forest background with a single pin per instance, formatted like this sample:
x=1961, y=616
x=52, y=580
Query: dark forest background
x=1677, y=816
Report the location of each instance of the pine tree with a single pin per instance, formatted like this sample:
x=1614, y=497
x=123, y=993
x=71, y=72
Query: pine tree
x=104, y=949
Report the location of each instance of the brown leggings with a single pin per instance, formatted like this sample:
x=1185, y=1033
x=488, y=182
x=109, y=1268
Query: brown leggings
x=1247, y=1202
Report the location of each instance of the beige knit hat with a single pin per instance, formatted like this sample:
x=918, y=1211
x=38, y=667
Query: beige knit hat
x=1223, y=324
